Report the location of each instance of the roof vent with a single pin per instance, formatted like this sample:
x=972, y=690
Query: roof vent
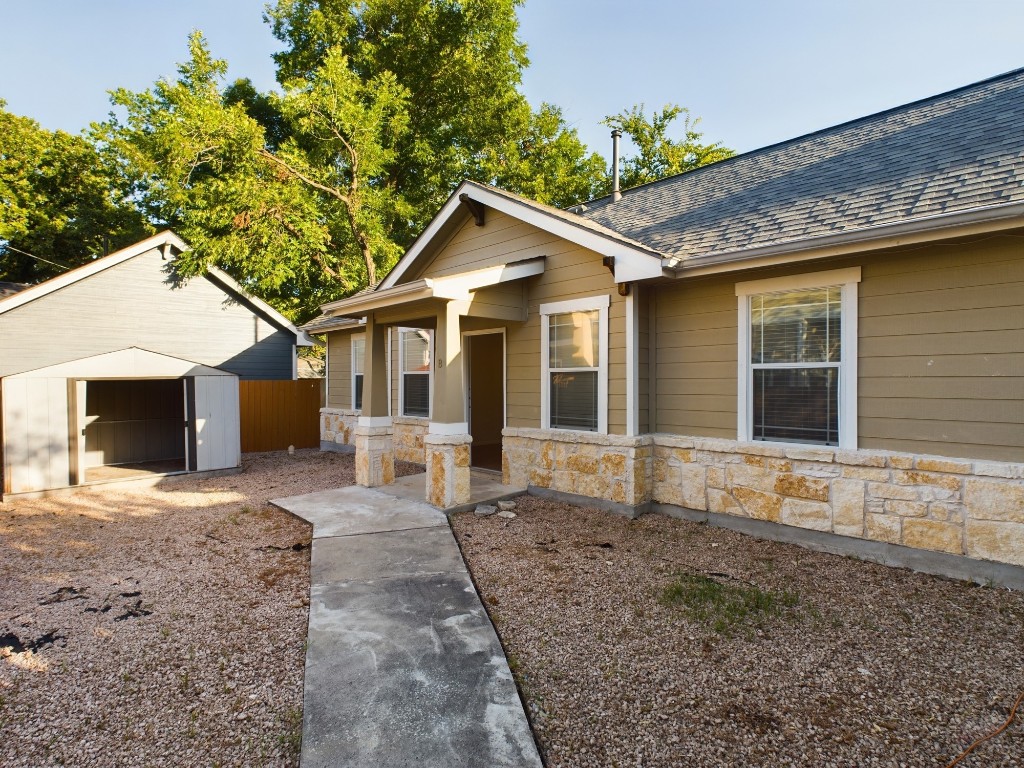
x=616, y=193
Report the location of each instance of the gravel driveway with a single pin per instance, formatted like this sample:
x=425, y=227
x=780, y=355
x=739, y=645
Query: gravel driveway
x=839, y=663
x=159, y=626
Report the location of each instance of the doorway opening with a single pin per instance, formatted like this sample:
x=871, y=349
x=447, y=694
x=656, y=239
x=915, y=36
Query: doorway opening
x=485, y=394
x=132, y=427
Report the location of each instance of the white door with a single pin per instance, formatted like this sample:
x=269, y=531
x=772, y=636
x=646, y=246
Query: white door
x=218, y=442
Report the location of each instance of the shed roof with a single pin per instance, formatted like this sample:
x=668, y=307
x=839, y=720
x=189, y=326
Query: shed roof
x=956, y=152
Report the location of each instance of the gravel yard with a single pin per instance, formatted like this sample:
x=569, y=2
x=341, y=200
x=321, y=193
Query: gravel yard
x=837, y=662
x=159, y=626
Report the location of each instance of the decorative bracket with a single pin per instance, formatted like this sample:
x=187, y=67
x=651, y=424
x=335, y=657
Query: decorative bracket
x=476, y=208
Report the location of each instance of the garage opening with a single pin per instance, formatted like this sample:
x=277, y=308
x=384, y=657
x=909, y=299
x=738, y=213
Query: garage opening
x=133, y=427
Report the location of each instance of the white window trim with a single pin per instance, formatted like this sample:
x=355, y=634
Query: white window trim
x=430, y=372
x=588, y=304
x=847, y=280
x=352, y=342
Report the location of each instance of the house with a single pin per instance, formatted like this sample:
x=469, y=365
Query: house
x=821, y=340
x=119, y=367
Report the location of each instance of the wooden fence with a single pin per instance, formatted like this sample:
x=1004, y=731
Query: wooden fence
x=276, y=414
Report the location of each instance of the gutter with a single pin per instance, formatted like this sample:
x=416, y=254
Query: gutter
x=974, y=220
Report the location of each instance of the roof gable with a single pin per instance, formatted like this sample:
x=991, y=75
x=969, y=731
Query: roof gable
x=169, y=244
x=633, y=260
x=125, y=364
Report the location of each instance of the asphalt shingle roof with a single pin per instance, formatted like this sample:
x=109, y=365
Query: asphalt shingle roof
x=953, y=152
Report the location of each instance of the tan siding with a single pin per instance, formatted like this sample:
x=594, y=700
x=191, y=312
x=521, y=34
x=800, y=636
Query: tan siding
x=570, y=272
x=942, y=350
x=941, y=347
x=696, y=362
x=643, y=359
x=339, y=373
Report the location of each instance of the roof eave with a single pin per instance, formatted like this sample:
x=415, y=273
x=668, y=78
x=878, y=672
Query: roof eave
x=960, y=223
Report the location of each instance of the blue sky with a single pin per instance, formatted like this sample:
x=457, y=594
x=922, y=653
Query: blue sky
x=756, y=71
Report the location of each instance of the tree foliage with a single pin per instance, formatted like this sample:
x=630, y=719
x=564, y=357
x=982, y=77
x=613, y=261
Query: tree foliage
x=61, y=202
x=658, y=155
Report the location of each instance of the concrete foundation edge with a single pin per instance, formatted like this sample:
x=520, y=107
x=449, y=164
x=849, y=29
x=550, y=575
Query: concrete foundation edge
x=934, y=563
x=332, y=447
x=579, y=500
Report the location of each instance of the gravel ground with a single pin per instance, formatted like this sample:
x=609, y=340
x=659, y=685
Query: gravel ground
x=872, y=666
x=176, y=620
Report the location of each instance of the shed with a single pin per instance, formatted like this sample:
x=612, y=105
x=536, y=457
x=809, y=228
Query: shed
x=120, y=368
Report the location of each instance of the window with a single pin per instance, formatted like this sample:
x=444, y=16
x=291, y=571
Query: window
x=574, y=362
x=798, y=357
x=358, y=357
x=414, y=359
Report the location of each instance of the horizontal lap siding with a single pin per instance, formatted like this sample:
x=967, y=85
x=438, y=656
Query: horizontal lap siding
x=695, y=359
x=339, y=373
x=942, y=350
x=133, y=305
x=570, y=272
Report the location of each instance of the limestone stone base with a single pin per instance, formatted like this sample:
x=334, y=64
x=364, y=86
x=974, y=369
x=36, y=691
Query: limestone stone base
x=337, y=425
x=447, y=459
x=409, y=434
x=375, y=456
x=956, y=506
x=610, y=467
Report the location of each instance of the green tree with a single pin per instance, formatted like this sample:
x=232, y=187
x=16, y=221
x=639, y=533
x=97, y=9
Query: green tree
x=62, y=203
x=461, y=62
x=658, y=155
x=296, y=218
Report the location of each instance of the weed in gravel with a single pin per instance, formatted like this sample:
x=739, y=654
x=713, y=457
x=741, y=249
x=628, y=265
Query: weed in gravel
x=291, y=739
x=725, y=607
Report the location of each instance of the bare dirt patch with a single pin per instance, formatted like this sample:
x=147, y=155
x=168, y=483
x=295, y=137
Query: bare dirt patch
x=159, y=626
x=628, y=654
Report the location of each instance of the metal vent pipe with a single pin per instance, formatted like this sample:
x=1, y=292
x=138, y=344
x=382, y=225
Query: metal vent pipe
x=616, y=193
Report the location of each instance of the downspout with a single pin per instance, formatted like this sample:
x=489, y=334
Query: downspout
x=616, y=192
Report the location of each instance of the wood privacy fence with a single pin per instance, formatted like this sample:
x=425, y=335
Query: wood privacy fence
x=276, y=414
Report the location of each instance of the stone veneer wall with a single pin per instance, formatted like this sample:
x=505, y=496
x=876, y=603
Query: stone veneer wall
x=602, y=466
x=337, y=425
x=408, y=436
x=963, y=507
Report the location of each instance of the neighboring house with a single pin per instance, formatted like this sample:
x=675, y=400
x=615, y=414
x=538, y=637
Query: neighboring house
x=119, y=365
x=827, y=333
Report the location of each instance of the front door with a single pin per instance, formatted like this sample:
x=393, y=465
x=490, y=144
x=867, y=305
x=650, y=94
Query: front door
x=486, y=395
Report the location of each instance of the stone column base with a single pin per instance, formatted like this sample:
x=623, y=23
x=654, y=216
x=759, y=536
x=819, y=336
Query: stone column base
x=375, y=456
x=447, y=469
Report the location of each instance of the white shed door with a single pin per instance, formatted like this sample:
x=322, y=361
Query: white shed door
x=218, y=440
x=35, y=421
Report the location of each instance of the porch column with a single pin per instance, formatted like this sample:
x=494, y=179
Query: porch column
x=447, y=443
x=375, y=452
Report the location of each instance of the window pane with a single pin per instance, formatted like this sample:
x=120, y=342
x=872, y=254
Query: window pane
x=572, y=339
x=797, y=404
x=415, y=394
x=574, y=400
x=358, y=355
x=415, y=351
x=796, y=326
x=359, y=391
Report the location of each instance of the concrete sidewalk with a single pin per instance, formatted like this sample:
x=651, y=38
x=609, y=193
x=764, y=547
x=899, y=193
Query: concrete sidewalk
x=403, y=667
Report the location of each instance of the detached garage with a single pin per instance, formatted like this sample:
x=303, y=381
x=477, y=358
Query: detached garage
x=119, y=369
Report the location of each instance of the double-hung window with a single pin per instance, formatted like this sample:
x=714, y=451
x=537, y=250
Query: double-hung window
x=798, y=358
x=574, y=362
x=358, y=357
x=414, y=359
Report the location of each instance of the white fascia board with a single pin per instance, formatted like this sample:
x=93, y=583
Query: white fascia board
x=630, y=263
x=88, y=270
x=363, y=303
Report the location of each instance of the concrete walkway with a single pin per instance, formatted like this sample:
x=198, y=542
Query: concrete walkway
x=403, y=667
